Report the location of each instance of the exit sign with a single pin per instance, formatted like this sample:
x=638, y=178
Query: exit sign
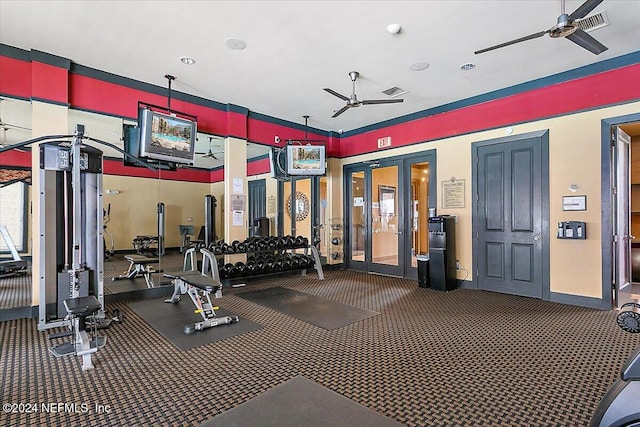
x=384, y=142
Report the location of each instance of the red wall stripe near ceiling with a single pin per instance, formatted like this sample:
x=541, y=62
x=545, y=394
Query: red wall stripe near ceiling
x=607, y=88
x=258, y=167
x=49, y=83
x=115, y=167
x=15, y=158
x=15, y=77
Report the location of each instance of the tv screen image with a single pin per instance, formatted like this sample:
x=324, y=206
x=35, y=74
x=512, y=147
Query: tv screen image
x=167, y=137
x=305, y=160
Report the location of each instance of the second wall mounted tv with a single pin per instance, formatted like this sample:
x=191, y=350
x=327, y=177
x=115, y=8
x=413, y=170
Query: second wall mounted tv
x=167, y=137
x=307, y=160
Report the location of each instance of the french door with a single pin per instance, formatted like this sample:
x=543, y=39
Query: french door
x=386, y=210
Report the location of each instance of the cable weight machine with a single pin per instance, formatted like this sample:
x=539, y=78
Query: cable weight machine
x=71, y=241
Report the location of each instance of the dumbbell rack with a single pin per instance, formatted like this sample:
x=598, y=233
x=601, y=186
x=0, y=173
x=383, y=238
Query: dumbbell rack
x=265, y=255
x=336, y=239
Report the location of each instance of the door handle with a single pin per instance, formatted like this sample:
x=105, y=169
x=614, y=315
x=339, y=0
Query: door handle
x=399, y=233
x=536, y=237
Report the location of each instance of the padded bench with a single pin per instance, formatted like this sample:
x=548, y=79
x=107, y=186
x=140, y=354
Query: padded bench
x=139, y=265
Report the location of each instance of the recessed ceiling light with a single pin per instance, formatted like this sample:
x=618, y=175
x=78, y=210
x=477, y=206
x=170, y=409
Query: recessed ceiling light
x=235, y=44
x=468, y=66
x=419, y=66
x=187, y=61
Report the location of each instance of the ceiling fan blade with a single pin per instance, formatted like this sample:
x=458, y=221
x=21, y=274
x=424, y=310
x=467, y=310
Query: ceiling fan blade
x=334, y=93
x=381, y=101
x=584, y=9
x=340, y=111
x=9, y=125
x=521, y=39
x=581, y=38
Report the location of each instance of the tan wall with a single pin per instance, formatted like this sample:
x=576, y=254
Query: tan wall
x=134, y=208
x=574, y=158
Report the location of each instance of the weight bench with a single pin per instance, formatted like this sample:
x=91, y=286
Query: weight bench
x=79, y=310
x=139, y=264
x=199, y=287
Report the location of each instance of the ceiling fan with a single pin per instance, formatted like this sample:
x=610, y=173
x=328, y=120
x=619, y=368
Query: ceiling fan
x=7, y=126
x=353, y=100
x=209, y=153
x=565, y=28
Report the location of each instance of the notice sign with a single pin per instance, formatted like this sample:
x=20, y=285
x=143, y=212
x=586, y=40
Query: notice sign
x=453, y=193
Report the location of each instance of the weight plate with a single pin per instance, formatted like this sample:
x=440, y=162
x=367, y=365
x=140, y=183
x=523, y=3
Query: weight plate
x=629, y=319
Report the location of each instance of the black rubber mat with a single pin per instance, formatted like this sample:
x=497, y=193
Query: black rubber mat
x=170, y=319
x=309, y=308
x=300, y=402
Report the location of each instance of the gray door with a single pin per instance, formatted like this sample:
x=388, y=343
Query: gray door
x=508, y=216
x=257, y=202
x=622, y=216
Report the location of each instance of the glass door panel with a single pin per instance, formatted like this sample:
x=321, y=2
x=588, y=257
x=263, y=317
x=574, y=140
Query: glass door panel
x=386, y=225
x=357, y=227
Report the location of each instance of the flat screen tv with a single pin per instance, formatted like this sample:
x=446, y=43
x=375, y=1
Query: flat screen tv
x=167, y=137
x=305, y=160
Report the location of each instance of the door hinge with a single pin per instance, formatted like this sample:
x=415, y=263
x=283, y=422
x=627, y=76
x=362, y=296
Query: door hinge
x=615, y=238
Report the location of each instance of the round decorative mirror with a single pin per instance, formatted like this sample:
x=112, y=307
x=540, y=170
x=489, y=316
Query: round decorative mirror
x=302, y=206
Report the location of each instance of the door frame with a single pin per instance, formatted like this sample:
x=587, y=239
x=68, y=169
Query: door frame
x=543, y=135
x=607, y=223
x=254, y=205
x=403, y=162
x=429, y=156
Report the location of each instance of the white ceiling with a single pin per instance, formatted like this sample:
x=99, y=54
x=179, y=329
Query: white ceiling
x=297, y=48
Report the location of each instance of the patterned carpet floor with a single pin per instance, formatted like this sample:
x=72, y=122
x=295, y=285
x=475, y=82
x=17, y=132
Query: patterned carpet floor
x=462, y=358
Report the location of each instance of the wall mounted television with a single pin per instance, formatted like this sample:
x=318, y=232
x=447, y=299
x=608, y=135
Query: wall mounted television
x=278, y=163
x=306, y=160
x=167, y=137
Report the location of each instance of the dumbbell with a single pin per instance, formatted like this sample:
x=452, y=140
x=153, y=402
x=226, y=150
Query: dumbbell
x=223, y=272
x=242, y=247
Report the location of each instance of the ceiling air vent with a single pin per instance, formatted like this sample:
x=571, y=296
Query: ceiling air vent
x=593, y=22
x=394, y=91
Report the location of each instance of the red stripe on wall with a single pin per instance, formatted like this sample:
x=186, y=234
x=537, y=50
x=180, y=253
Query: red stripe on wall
x=607, y=88
x=115, y=167
x=49, y=82
x=15, y=158
x=109, y=98
x=15, y=77
x=258, y=167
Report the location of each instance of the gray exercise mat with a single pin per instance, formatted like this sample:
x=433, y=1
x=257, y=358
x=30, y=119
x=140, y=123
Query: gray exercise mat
x=309, y=308
x=300, y=402
x=170, y=319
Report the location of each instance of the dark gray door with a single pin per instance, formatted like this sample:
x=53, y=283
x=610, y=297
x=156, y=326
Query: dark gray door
x=257, y=201
x=509, y=209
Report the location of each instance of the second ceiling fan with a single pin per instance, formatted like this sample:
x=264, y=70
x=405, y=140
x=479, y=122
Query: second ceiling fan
x=353, y=101
x=565, y=27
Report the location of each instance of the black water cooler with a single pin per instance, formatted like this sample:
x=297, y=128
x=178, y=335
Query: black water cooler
x=442, y=253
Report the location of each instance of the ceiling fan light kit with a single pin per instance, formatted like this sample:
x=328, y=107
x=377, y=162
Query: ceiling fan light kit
x=564, y=28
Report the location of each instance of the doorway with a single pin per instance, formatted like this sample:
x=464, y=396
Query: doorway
x=620, y=223
x=257, y=204
x=386, y=210
x=511, y=244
